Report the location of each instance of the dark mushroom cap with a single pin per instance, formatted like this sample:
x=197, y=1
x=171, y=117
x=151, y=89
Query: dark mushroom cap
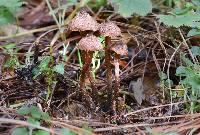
x=119, y=47
x=90, y=43
x=109, y=29
x=83, y=22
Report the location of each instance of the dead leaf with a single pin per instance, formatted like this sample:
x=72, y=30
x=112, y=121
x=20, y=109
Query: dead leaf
x=138, y=91
x=11, y=30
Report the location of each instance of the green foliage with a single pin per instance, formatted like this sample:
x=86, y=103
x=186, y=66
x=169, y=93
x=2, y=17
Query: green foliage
x=6, y=16
x=7, y=10
x=12, y=5
x=165, y=81
x=35, y=118
x=127, y=7
x=33, y=121
x=59, y=68
x=186, y=15
x=20, y=131
x=195, y=50
x=191, y=75
x=193, y=32
x=34, y=112
x=96, y=4
x=190, y=79
x=79, y=58
x=41, y=132
x=189, y=19
x=88, y=128
x=12, y=61
x=43, y=67
x=65, y=131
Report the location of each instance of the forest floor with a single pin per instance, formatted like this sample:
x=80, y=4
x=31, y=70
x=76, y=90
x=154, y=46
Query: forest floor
x=145, y=104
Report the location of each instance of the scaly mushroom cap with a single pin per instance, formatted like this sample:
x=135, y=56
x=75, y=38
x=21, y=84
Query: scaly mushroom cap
x=120, y=48
x=109, y=29
x=82, y=22
x=90, y=43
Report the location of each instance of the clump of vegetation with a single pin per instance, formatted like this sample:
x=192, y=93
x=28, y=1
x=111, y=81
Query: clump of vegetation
x=36, y=117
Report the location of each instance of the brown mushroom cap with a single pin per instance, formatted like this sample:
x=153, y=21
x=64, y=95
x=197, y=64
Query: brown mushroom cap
x=120, y=48
x=90, y=43
x=82, y=22
x=109, y=29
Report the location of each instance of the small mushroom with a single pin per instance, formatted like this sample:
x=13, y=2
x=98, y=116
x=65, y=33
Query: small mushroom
x=119, y=48
x=88, y=45
x=83, y=22
x=109, y=30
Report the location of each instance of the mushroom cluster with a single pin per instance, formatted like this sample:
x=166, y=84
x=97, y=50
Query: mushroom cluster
x=89, y=43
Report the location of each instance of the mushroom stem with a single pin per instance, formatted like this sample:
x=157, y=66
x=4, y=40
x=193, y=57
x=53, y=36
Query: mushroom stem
x=117, y=80
x=94, y=94
x=87, y=58
x=86, y=67
x=109, y=72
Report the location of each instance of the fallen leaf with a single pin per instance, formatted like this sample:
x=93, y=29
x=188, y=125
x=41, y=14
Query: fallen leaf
x=138, y=91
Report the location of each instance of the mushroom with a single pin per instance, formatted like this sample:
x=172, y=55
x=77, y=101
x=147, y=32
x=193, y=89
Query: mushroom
x=109, y=30
x=83, y=22
x=119, y=48
x=88, y=45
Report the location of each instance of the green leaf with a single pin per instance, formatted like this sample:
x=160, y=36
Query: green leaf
x=35, y=112
x=162, y=76
x=65, y=131
x=12, y=5
x=127, y=7
x=44, y=64
x=193, y=81
x=41, y=132
x=168, y=82
x=179, y=11
x=45, y=116
x=20, y=131
x=183, y=71
x=33, y=121
x=60, y=68
x=101, y=39
x=195, y=50
x=9, y=46
x=193, y=32
x=187, y=61
x=189, y=19
x=6, y=16
x=196, y=2
x=24, y=111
